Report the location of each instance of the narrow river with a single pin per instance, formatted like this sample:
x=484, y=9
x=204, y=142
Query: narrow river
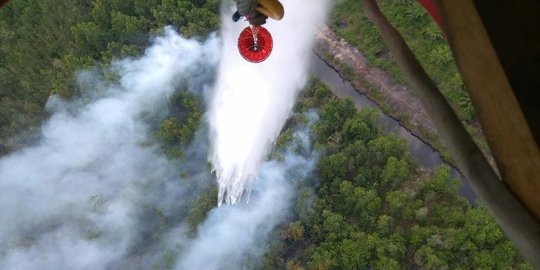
x=424, y=153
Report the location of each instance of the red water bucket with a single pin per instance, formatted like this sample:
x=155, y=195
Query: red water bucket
x=255, y=44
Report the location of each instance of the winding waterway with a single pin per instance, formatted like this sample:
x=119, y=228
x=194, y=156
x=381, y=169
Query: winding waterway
x=426, y=155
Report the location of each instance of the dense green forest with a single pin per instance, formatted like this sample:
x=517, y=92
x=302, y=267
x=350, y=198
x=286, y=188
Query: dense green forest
x=45, y=42
x=371, y=206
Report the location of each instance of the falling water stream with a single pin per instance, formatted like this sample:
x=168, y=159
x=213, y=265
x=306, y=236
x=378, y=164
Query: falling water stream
x=251, y=102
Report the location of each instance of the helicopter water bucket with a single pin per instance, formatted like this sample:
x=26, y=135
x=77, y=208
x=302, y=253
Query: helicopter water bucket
x=255, y=44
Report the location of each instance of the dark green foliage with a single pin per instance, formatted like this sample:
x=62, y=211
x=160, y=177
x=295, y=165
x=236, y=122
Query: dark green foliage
x=200, y=208
x=314, y=95
x=193, y=18
x=294, y=232
x=373, y=210
x=176, y=132
x=333, y=117
x=45, y=42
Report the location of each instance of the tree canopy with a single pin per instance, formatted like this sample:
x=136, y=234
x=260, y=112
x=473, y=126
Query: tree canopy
x=373, y=207
x=45, y=42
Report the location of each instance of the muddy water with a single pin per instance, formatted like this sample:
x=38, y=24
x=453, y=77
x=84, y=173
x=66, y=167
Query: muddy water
x=424, y=153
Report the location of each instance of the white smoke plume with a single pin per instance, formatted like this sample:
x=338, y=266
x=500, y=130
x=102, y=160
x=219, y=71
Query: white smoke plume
x=79, y=198
x=252, y=101
x=86, y=195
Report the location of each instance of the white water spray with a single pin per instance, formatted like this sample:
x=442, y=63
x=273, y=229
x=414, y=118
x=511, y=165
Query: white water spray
x=251, y=102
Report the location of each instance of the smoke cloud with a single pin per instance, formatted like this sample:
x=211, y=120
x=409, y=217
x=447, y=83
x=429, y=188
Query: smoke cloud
x=97, y=193
x=252, y=101
x=81, y=197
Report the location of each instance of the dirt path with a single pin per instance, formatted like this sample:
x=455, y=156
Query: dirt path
x=397, y=96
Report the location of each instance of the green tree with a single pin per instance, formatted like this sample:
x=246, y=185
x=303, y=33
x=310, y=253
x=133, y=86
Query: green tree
x=125, y=28
x=333, y=116
x=385, y=225
x=387, y=264
x=426, y=258
x=384, y=147
x=333, y=167
x=394, y=173
x=294, y=232
x=89, y=38
x=355, y=253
